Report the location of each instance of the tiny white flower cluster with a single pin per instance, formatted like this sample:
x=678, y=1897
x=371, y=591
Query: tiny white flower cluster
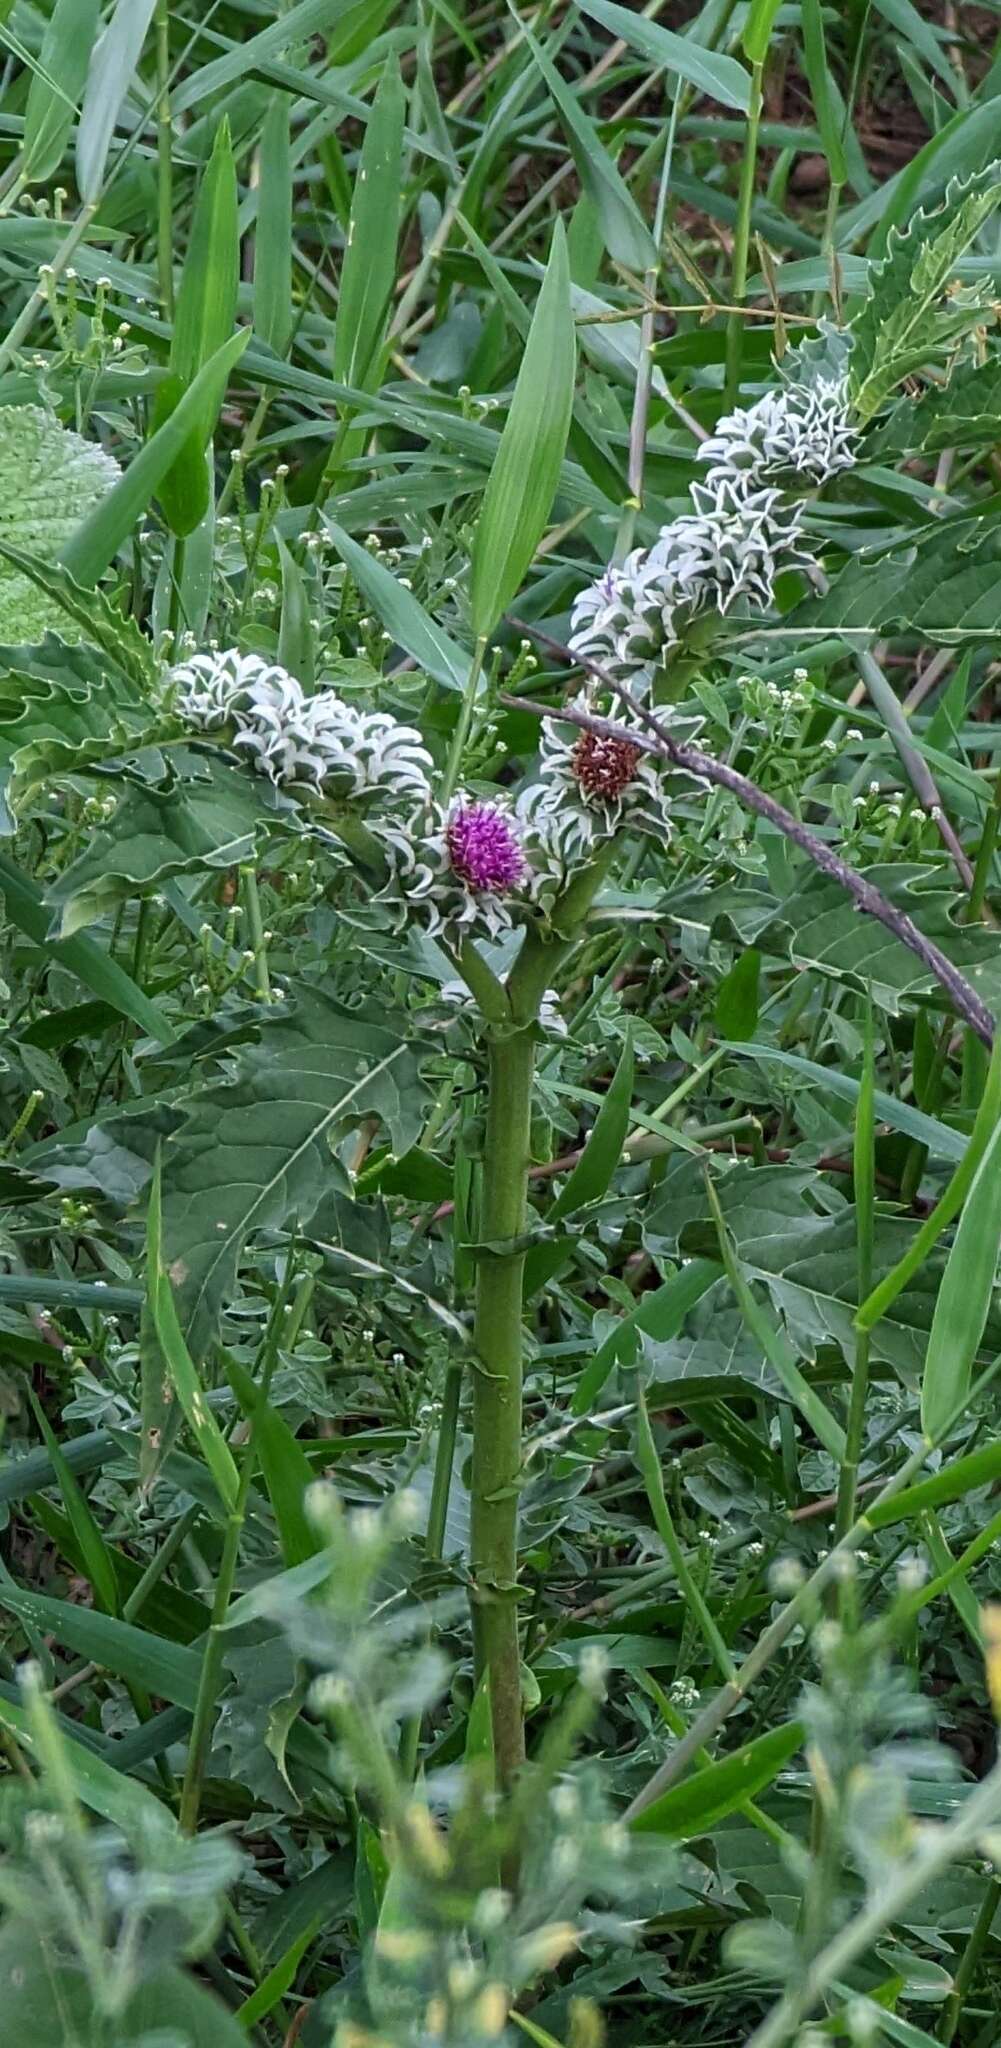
x=729, y=549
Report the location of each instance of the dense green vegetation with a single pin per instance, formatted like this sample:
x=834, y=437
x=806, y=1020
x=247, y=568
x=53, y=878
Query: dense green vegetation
x=500, y=1136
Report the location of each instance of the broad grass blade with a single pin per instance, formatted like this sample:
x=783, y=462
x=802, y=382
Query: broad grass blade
x=523, y=481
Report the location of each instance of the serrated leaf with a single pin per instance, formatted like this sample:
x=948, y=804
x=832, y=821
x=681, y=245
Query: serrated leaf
x=526, y=470
x=52, y=480
x=807, y=1264
x=84, y=958
x=903, y=322
x=213, y=819
x=98, y=621
x=258, y=1149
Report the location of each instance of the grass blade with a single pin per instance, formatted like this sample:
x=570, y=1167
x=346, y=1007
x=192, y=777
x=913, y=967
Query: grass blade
x=369, y=265
x=526, y=469
x=96, y=543
x=964, y=1297
x=178, y=1360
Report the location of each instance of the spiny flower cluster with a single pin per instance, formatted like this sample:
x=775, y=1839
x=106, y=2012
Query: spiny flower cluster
x=589, y=786
x=298, y=740
x=458, y=868
x=729, y=549
x=454, y=867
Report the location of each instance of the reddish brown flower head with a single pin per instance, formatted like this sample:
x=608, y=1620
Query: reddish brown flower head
x=604, y=767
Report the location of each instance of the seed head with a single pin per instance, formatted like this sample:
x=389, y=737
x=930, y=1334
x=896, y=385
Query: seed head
x=604, y=766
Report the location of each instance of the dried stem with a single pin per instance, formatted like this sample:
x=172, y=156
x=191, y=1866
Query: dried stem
x=661, y=743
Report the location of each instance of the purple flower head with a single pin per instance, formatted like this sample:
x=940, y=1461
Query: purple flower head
x=483, y=848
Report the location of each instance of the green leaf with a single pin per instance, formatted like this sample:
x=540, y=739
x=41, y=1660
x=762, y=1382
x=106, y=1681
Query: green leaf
x=774, y=1342
x=941, y=1140
x=660, y=1315
x=273, y=239
x=964, y=1297
x=53, y=479
x=97, y=1785
x=807, y=1263
x=904, y=322
x=56, y=86
x=603, y=1149
x=170, y=1670
x=177, y=1358
x=96, y=1561
x=48, y=2001
x=116, y=54
x=822, y=91
x=369, y=266
x=627, y=237
x=286, y=1469
x=737, y=998
x=279, y=1979
x=211, y=822
x=97, y=540
x=259, y=1149
x=401, y=614
x=81, y=955
x=757, y=31
x=721, y=77
x=203, y=324
x=525, y=474
x=97, y=620
x=949, y=1204
x=953, y=1482
x=307, y=18
x=704, y=1799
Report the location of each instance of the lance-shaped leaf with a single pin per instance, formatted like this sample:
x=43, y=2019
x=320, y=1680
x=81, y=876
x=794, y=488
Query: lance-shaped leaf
x=522, y=483
x=627, y=237
x=203, y=323
x=710, y=72
x=964, y=1297
x=369, y=265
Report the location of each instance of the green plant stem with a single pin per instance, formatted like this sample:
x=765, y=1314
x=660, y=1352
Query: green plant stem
x=985, y=856
x=255, y=926
x=741, y=244
x=802, y=1604
x=865, y=1209
x=969, y=1959
x=211, y=1671
x=936, y=1851
x=497, y=1392
x=164, y=163
x=453, y=768
x=649, y=1464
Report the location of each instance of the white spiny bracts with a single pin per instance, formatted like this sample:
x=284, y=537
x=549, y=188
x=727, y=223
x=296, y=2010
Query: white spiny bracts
x=313, y=741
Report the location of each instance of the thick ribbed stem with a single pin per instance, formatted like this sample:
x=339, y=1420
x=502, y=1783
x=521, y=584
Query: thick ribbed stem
x=497, y=1381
